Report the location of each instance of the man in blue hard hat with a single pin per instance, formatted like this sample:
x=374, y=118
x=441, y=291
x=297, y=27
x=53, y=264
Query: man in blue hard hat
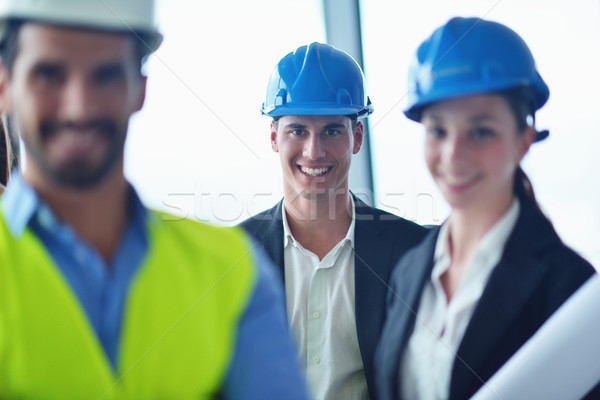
x=100, y=297
x=335, y=252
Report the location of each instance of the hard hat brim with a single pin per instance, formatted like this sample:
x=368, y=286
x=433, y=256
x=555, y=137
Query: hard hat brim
x=414, y=111
x=316, y=109
x=152, y=40
x=136, y=17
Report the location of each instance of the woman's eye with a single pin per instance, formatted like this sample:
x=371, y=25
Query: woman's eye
x=482, y=133
x=435, y=132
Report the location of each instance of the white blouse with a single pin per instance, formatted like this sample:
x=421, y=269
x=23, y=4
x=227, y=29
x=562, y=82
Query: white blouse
x=426, y=365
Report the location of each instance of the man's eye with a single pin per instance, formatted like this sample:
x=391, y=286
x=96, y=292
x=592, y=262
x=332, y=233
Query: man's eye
x=110, y=74
x=297, y=132
x=48, y=74
x=332, y=132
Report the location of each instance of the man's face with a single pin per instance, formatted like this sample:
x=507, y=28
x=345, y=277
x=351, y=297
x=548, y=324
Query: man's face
x=315, y=153
x=71, y=93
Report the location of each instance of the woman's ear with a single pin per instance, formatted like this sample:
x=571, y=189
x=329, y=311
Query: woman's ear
x=528, y=138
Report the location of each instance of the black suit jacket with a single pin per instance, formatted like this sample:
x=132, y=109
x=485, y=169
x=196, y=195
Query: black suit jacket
x=535, y=275
x=380, y=239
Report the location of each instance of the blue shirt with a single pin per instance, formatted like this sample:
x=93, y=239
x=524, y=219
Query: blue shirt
x=101, y=288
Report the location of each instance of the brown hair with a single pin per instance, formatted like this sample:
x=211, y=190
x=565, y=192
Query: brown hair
x=520, y=103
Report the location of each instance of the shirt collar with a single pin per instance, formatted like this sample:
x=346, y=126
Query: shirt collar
x=20, y=204
x=289, y=238
x=490, y=245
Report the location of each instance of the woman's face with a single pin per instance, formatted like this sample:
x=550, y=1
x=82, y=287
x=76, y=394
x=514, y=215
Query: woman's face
x=472, y=149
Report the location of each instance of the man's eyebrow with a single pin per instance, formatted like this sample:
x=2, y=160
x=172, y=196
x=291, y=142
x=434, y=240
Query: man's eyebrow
x=47, y=65
x=295, y=125
x=335, y=125
x=111, y=69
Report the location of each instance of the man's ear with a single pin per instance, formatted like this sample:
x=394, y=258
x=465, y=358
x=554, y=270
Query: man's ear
x=359, y=133
x=274, y=137
x=142, y=93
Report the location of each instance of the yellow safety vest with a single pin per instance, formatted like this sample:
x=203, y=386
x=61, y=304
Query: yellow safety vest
x=179, y=324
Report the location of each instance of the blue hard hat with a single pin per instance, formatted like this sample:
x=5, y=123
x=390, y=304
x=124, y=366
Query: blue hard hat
x=469, y=56
x=317, y=79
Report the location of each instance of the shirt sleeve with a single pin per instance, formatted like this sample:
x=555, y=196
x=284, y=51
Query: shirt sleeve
x=265, y=364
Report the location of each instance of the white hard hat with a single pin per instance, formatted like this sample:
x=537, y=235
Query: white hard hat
x=118, y=15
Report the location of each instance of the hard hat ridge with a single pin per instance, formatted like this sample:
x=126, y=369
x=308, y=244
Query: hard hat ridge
x=308, y=84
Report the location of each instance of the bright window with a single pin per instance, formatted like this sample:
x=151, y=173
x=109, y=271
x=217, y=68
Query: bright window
x=200, y=148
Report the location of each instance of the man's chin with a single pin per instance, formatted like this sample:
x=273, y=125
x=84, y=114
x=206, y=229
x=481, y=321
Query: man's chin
x=316, y=193
x=79, y=182
x=79, y=177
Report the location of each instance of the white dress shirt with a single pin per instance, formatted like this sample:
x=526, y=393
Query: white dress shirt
x=426, y=364
x=320, y=307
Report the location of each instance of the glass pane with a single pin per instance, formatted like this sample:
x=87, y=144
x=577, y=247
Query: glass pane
x=200, y=148
x=565, y=39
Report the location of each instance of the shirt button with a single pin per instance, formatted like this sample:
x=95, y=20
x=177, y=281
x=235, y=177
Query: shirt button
x=317, y=359
x=316, y=314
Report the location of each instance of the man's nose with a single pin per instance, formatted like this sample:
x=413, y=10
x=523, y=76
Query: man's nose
x=313, y=147
x=78, y=101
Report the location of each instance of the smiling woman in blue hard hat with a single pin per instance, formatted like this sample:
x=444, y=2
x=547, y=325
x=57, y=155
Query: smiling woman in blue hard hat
x=464, y=300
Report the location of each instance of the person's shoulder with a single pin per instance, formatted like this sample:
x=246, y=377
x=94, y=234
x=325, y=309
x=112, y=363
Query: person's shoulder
x=263, y=220
x=267, y=215
x=544, y=243
x=390, y=221
x=199, y=234
x=561, y=257
x=421, y=251
x=564, y=270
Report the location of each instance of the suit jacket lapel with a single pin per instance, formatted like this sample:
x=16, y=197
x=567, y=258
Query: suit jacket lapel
x=368, y=262
x=407, y=284
x=271, y=235
x=371, y=270
x=509, y=288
